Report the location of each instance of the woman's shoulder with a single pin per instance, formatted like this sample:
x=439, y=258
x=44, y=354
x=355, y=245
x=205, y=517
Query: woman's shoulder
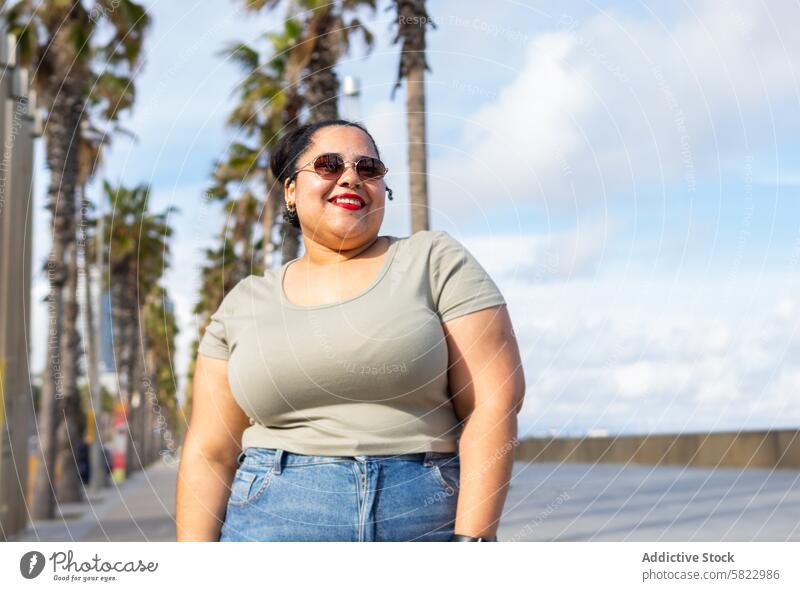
x=249, y=289
x=426, y=240
x=259, y=284
x=432, y=249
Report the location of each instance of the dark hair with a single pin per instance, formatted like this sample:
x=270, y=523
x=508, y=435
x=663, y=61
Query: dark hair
x=283, y=159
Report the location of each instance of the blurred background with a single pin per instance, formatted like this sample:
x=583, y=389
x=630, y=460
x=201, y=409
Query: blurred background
x=627, y=172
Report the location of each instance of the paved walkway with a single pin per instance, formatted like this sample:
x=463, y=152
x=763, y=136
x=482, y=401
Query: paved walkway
x=616, y=502
x=139, y=509
x=546, y=502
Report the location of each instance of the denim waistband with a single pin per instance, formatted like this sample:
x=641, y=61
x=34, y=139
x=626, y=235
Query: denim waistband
x=277, y=458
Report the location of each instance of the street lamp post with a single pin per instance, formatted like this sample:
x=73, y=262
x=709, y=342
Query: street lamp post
x=19, y=126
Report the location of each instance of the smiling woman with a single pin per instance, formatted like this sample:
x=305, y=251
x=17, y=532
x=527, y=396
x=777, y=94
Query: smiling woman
x=333, y=395
x=304, y=149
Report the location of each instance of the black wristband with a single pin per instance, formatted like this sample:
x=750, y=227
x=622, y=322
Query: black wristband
x=463, y=538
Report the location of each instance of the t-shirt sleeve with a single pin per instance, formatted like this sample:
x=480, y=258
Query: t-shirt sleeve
x=214, y=342
x=460, y=285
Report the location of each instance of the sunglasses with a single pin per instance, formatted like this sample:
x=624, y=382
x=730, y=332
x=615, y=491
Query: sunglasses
x=331, y=166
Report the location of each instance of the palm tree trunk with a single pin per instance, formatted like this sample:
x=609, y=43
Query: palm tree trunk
x=290, y=236
x=43, y=501
x=150, y=402
x=153, y=406
x=69, y=488
x=268, y=217
x=123, y=350
x=134, y=443
x=322, y=85
x=412, y=23
x=417, y=147
x=137, y=455
x=62, y=160
x=321, y=96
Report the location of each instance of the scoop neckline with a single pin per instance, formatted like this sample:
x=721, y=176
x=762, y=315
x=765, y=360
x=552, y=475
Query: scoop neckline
x=387, y=261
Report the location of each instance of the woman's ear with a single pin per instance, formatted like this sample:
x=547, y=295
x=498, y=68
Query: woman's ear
x=288, y=189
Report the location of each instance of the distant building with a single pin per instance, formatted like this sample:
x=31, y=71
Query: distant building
x=597, y=433
x=108, y=366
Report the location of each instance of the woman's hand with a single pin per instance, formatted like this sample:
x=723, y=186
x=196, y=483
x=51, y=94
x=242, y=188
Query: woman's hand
x=210, y=450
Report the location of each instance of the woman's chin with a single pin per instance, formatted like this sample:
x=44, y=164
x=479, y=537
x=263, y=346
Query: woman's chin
x=348, y=226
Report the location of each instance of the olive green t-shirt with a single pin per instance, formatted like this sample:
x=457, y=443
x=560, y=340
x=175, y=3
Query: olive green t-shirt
x=363, y=376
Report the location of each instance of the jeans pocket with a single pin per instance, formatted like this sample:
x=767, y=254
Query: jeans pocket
x=249, y=483
x=447, y=472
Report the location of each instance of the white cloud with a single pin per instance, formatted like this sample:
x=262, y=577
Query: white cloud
x=612, y=102
x=639, y=354
x=559, y=255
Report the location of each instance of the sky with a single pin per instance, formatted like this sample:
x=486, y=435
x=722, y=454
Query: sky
x=629, y=175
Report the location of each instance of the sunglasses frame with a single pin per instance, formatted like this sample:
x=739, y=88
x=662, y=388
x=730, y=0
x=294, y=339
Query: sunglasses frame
x=346, y=162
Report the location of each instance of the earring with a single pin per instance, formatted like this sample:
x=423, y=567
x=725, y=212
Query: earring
x=290, y=216
x=389, y=193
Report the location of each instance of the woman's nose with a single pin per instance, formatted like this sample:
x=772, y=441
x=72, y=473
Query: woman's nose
x=349, y=175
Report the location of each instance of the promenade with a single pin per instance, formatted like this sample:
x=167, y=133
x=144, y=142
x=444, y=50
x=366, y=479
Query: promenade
x=139, y=509
x=546, y=502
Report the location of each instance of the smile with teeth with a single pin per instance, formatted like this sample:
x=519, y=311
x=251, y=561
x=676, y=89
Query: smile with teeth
x=347, y=202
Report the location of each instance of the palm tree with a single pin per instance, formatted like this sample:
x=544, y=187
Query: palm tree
x=160, y=328
x=325, y=36
x=412, y=21
x=112, y=92
x=137, y=255
x=267, y=105
x=58, y=41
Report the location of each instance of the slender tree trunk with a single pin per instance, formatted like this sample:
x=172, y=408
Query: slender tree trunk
x=322, y=85
x=62, y=159
x=417, y=147
x=123, y=333
x=290, y=236
x=412, y=23
x=70, y=433
x=268, y=217
x=43, y=501
x=134, y=369
x=154, y=409
x=134, y=452
x=321, y=96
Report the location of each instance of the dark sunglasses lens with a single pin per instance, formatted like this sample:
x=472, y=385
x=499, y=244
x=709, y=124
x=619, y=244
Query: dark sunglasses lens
x=370, y=168
x=329, y=165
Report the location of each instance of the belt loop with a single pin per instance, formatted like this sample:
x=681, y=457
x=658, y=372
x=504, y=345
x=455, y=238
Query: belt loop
x=276, y=465
x=428, y=459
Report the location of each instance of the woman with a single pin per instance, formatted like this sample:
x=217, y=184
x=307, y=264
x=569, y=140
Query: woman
x=366, y=391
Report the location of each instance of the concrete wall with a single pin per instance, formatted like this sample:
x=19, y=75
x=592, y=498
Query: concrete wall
x=740, y=449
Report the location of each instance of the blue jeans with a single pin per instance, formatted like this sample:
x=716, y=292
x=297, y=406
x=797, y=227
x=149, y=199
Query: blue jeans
x=280, y=496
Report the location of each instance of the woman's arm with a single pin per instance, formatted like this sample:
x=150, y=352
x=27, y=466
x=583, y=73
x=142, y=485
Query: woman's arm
x=210, y=449
x=487, y=385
